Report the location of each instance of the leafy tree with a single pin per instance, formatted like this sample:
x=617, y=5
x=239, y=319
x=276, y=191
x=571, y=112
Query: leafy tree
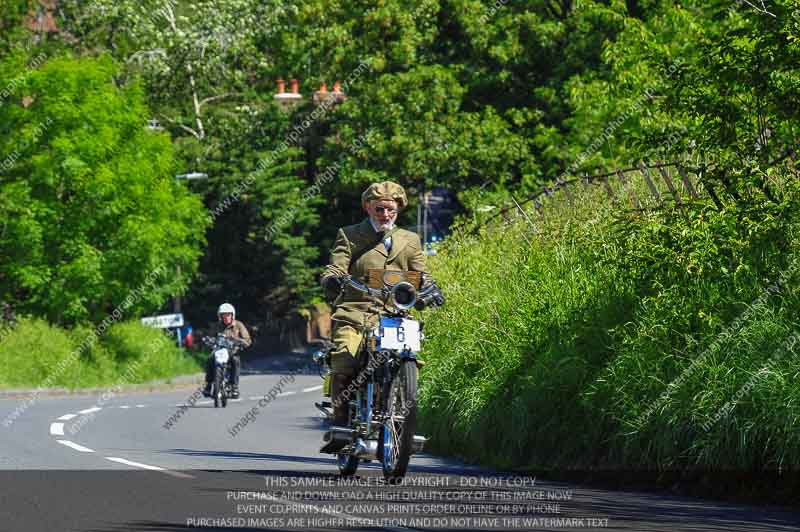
x=12, y=16
x=720, y=76
x=261, y=250
x=90, y=205
x=192, y=55
x=415, y=131
x=203, y=64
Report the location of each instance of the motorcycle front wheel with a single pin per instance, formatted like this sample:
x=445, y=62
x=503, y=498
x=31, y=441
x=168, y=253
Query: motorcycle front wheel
x=396, y=439
x=219, y=389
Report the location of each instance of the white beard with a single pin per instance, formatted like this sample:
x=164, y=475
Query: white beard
x=381, y=227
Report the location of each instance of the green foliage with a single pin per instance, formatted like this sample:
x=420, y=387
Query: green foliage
x=416, y=133
x=35, y=353
x=12, y=15
x=610, y=340
x=524, y=332
x=262, y=244
x=143, y=354
x=91, y=208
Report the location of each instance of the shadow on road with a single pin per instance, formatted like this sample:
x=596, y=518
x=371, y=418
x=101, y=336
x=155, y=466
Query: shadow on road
x=297, y=362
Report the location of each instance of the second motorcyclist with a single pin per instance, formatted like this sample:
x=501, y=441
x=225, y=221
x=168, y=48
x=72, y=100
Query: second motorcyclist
x=232, y=329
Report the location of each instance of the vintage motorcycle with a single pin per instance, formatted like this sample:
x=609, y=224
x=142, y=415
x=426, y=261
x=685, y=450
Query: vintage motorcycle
x=222, y=349
x=383, y=397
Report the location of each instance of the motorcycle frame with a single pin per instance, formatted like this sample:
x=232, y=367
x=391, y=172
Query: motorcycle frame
x=368, y=415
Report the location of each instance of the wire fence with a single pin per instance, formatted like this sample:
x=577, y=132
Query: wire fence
x=666, y=184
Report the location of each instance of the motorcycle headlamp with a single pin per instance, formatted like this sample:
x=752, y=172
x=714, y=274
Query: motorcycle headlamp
x=404, y=295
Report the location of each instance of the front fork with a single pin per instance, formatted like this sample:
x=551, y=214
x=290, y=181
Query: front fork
x=384, y=376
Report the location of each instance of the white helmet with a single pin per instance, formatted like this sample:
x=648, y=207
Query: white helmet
x=226, y=308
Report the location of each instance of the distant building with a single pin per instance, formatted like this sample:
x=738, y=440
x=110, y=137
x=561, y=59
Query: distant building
x=42, y=19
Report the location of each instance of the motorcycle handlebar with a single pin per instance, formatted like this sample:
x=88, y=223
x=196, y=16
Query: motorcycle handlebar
x=379, y=292
x=222, y=341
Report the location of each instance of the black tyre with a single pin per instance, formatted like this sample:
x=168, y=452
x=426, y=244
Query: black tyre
x=348, y=464
x=219, y=390
x=396, y=439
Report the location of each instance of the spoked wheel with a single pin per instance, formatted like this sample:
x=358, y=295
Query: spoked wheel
x=219, y=391
x=396, y=440
x=348, y=464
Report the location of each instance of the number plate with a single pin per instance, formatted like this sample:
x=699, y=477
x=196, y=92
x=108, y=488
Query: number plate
x=399, y=334
x=221, y=355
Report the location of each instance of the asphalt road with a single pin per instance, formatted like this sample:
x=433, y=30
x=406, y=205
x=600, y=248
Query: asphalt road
x=113, y=462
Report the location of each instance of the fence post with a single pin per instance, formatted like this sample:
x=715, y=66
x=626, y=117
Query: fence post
x=525, y=214
x=670, y=186
x=652, y=186
x=687, y=182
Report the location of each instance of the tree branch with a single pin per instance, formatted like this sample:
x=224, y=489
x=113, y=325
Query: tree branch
x=146, y=53
x=183, y=127
x=169, y=13
x=211, y=99
x=762, y=9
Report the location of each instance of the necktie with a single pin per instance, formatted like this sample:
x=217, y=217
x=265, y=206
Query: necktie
x=387, y=240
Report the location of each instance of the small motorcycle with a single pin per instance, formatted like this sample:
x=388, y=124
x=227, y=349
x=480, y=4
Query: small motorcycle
x=222, y=349
x=383, y=397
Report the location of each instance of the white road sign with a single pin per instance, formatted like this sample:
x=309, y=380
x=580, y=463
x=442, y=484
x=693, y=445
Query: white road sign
x=164, y=322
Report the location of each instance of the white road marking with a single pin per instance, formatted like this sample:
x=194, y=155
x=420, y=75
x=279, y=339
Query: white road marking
x=67, y=417
x=254, y=397
x=57, y=429
x=176, y=474
x=149, y=467
x=134, y=464
x=282, y=394
x=75, y=446
x=312, y=389
x=140, y=406
x=124, y=406
x=90, y=410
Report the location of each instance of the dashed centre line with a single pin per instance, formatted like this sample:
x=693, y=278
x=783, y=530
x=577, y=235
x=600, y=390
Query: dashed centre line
x=75, y=446
x=57, y=429
x=134, y=464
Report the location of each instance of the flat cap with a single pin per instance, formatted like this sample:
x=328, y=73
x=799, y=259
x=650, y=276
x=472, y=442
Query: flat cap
x=386, y=190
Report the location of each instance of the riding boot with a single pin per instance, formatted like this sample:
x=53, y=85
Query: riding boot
x=340, y=399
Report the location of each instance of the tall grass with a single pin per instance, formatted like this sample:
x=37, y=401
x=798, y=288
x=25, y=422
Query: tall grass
x=567, y=342
x=31, y=352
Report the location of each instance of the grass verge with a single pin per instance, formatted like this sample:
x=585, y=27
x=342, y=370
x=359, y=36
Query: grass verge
x=35, y=353
x=598, y=340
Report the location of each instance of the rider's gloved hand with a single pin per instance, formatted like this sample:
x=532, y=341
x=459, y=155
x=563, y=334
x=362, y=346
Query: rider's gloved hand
x=433, y=298
x=333, y=287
